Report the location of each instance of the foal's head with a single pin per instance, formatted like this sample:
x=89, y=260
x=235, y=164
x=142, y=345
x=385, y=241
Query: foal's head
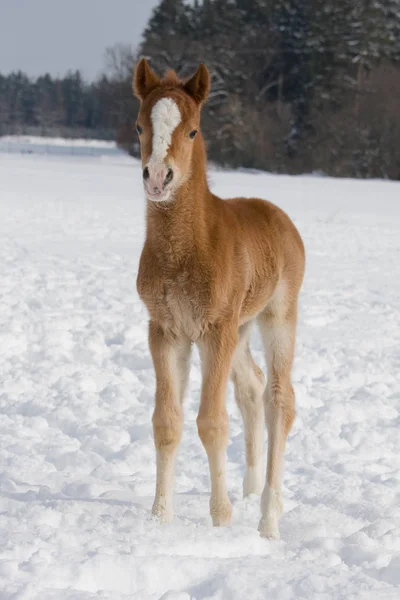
x=167, y=124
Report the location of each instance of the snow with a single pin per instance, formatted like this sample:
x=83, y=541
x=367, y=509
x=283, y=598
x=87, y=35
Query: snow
x=77, y=463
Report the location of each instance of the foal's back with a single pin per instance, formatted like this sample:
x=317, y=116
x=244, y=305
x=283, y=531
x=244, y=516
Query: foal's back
x=271, y=248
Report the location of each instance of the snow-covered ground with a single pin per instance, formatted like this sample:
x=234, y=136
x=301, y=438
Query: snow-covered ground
x=77, y=464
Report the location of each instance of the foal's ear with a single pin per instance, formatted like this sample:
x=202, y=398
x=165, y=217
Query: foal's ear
x=144, y=79
x=198, y=86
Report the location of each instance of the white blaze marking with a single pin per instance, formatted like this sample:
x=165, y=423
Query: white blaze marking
x=165, y=117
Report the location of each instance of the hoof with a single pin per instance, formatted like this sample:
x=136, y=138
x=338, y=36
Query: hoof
x=269, y=529
x=271, y=509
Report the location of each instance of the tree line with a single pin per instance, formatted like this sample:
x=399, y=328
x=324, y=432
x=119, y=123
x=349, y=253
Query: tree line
x=296, y=86
x=67, y=106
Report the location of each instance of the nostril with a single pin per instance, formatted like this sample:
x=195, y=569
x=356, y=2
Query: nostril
x=168, y=177
x=146, y=173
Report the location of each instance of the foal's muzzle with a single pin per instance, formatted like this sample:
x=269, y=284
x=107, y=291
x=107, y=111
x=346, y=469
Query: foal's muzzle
x=156, y=179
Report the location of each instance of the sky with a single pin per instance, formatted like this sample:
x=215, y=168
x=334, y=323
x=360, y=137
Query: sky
x=54, y=36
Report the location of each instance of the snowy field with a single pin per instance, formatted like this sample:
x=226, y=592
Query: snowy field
x=77, y=464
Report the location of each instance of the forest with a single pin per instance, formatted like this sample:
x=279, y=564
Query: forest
x=297, y=87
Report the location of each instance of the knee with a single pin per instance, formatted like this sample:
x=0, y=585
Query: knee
x=249, y=383
x=167, y=428
x=280, y=404
x=249, y=394
x=213, y=431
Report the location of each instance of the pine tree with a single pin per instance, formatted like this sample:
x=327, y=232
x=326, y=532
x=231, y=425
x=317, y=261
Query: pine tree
x=165, y=37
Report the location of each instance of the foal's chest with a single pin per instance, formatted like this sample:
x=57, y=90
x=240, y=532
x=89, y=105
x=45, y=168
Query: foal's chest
x=177, y=300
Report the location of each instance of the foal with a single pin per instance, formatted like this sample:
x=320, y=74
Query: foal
x=208, y=269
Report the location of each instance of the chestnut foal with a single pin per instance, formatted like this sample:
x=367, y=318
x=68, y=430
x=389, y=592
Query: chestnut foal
x=208, y=269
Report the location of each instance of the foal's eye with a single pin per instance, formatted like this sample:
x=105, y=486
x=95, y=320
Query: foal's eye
x=139, y=129
x=192, y=134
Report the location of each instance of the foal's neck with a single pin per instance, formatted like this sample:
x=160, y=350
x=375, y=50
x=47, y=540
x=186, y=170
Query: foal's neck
x=177, y=227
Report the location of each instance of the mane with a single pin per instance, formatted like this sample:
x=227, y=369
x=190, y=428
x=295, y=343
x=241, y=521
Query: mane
x=171, y=80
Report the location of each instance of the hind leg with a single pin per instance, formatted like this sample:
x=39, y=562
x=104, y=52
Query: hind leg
x=278, y=332
x=249, y=385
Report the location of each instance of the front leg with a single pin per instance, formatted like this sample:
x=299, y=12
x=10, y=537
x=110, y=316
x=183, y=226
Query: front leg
x=216, y=351
x=170, y=357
